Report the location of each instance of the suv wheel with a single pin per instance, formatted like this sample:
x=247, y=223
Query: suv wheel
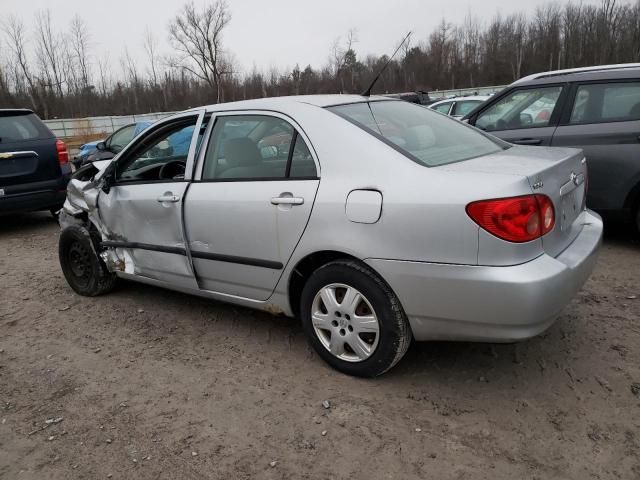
x=353, y=319
x=84, y=270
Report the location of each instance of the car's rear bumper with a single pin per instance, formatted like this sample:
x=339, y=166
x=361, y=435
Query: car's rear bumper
x=38, y=196
x=480, y=303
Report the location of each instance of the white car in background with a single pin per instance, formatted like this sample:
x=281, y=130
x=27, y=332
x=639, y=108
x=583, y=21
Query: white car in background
x=460, y=106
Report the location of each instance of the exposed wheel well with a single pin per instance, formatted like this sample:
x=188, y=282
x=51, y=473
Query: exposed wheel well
x=305, y=268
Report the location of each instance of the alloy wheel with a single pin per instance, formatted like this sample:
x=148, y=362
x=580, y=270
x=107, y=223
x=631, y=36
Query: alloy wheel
x=345, y=322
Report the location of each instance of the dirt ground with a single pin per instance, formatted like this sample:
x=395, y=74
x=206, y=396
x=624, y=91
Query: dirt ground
x=150, y=384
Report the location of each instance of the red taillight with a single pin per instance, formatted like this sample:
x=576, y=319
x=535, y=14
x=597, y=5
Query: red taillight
x=516, y=219
x=63, y=154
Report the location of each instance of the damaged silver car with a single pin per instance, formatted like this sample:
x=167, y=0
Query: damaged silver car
x=373, y=220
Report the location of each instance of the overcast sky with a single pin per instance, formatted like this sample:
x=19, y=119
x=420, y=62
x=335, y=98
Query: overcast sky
x=268, y=32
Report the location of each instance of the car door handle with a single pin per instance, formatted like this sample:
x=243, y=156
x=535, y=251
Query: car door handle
x=287, y=200
x=168, y=197
x=528, y=141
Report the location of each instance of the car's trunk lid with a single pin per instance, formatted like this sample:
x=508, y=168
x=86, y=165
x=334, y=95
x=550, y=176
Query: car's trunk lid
x=28, y=152
x=559, y=173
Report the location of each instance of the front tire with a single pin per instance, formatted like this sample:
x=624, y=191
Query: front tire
x=353, y=320
x=84, y=270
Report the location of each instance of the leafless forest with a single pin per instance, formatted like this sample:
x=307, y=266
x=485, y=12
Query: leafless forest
x=58, y=74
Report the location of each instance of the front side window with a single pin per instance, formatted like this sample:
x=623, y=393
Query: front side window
x=442, y=108
x=121, y=138
x=422, y=135
x=527, y=108
x=464, y=107
x=162, y=155
x=606, y=102
x=245, y=147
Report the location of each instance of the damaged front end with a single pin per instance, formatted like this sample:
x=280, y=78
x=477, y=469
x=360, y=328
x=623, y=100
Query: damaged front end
x=81, y=210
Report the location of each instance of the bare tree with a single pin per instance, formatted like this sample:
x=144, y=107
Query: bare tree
x=80, y=43
x=15, y=32
x=198, y=36
x=49, y=48
x=151, y=49
x=465, y=55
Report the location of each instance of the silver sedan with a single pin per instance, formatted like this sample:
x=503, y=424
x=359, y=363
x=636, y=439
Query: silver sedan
x=374, y=221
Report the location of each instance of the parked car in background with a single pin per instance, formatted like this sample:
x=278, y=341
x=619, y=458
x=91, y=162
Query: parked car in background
x=376, y=221
x=34, y=164
x=419, y=97
x=596, y=109
x=108, y=148
x=460, y=106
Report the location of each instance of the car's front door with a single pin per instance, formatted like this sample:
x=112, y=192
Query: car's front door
x=142, y=210
x=250, y=203
x=603, y=119
x=524, y=116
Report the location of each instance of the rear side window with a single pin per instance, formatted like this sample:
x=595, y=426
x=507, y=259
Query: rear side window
x=245, y=147
x=606, y=102
x=18, y=128
x=421, y=134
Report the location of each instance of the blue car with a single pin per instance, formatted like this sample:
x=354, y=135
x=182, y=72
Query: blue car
x=108, y=148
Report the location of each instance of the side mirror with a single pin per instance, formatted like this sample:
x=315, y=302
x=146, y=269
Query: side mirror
x=102, y=146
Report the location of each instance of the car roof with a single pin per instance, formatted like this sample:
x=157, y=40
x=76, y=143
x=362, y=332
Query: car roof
x=275, y=103
x=601, y=72
x=482, y=98
x=14, y=111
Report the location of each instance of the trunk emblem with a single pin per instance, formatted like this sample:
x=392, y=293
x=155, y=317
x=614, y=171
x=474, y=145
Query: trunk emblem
x=1, y=192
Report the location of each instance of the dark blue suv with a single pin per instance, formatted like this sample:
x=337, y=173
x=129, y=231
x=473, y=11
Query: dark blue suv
x=34, y=164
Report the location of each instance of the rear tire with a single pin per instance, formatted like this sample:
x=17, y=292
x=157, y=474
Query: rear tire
x=353, y=320
x=83, y=268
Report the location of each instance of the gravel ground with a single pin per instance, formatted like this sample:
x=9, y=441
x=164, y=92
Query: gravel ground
x=150, y=384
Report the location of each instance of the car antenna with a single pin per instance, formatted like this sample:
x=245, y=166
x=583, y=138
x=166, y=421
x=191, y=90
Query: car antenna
x=367, y=92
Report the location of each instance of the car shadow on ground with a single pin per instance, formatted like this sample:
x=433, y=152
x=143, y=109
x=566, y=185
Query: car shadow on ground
x=433, y=361
x=621, y=234
x=25, y=223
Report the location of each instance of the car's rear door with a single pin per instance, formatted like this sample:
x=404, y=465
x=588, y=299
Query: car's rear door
x=250, y=202
x=28, y=155
x=603, y=118
x=523, y=115
x=142, y=210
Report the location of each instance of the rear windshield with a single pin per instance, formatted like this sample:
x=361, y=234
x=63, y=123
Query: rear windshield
x=424, y=136
x=20, y=127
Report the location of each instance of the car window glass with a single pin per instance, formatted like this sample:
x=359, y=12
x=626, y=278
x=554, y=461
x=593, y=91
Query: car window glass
x=443, y=108
x=422, y=135
x=248, y=146
x=168, y=149
x=15, y=128
x=302, y=164
x=121, y=138
x=520, y=109
x=606, y=103
x=462, y=108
